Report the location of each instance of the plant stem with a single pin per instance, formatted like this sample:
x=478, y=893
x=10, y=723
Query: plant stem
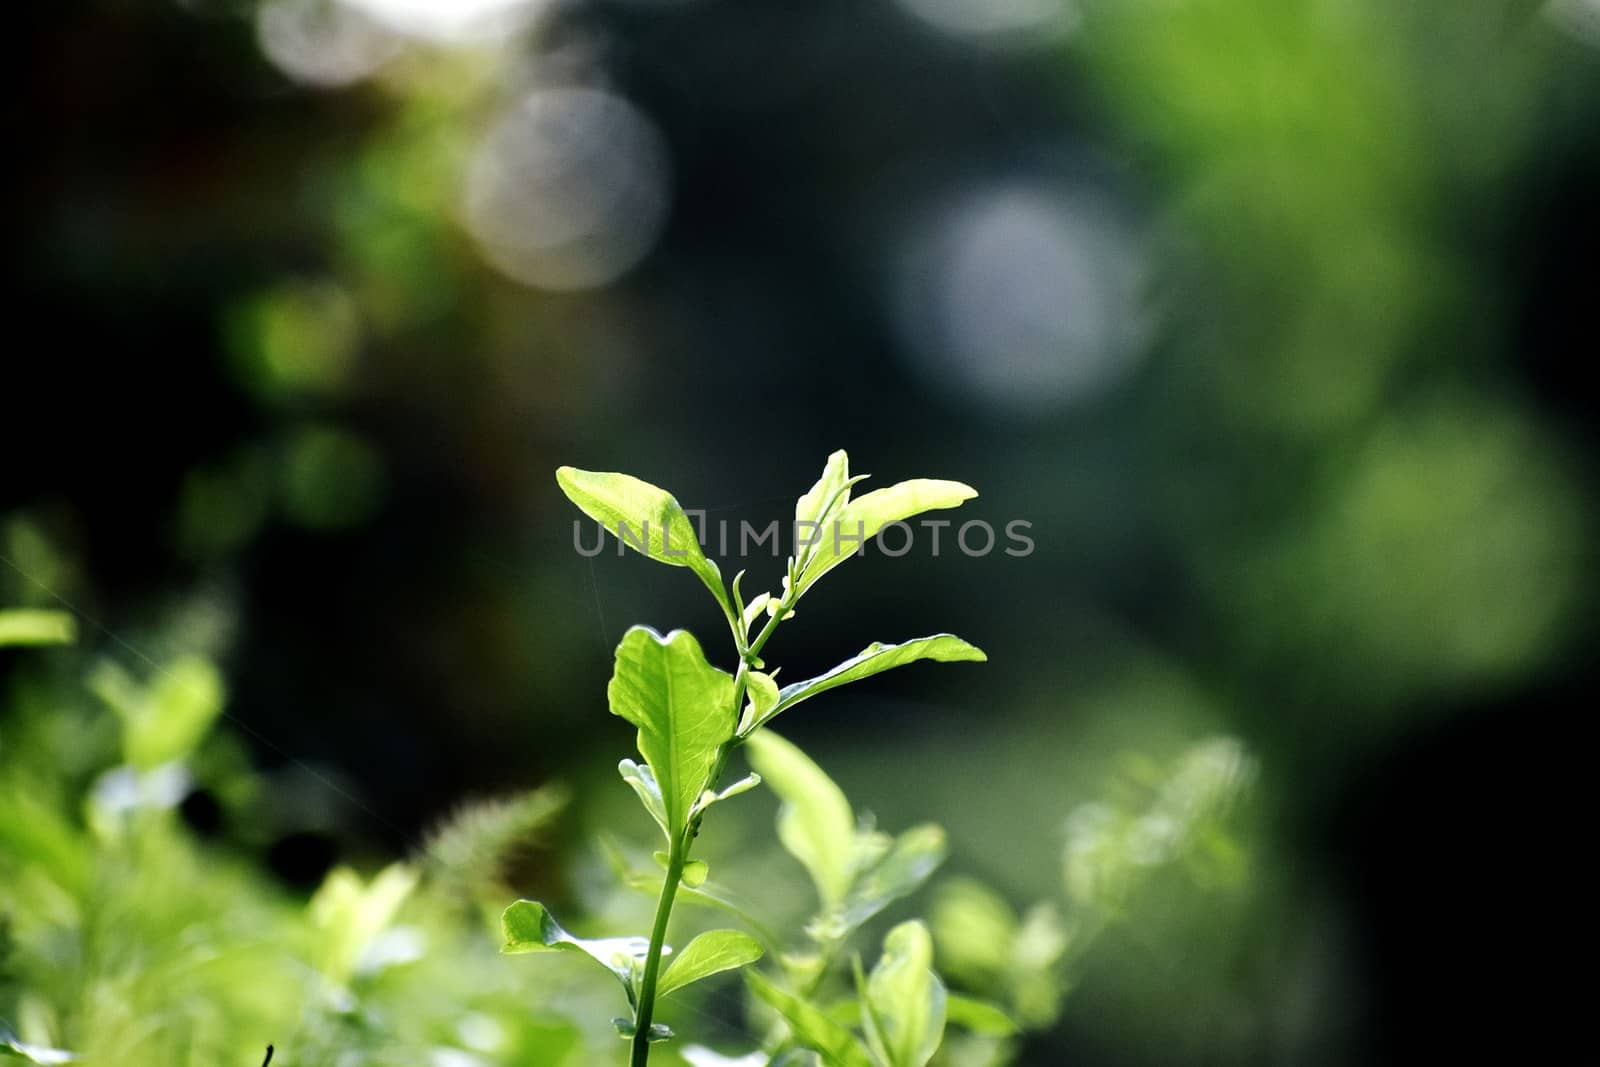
x=677, y=856
x=678, y=851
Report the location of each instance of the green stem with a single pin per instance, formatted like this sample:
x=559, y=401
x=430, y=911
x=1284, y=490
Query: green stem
x=678, y=853
x=677, y=856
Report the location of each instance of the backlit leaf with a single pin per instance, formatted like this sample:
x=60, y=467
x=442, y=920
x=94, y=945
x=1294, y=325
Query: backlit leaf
x=845, y=531
x=710, y=953
x=905, y=1001
x=683, y=708
x=815, y=823
x=528, y=926
x=874, y=659
x=812, y=1028
x=645, y=518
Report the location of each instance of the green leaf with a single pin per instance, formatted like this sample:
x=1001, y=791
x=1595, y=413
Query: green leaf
x=905, y=1001
x=711, y=953
x=763, y=693
x=646, y=518
x=349, y=914
x=12, y=1045
x=708, y=798
x=861, y=519
x=874, y=659
x=977, y=1016
x=815, y=823
x=695, y=872
x=168, y=718
x=824, y=500
x=914, y=856
x=643, y=781
x=812, y=1028
x=706, y=895
x=683, y=708
x=814, y=506
x=658, y=1031
x=975, y=928
x=529, y=927
x=24, y=626
x=755, y=609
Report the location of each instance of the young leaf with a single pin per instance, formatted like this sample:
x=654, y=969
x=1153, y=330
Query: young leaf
x=529, y=927
x=349, y=914
x=763, y=700
x=814, y=512
x=815, y=823
x=915, y=855
x=643, y=781
x=710, y=953
x=977, y=1016
x=658, y=1031
x=860, y=520
x=683, y=708
x=695, y=872
x=640, y=514
x=813, y=1029
x=708, y=798
x=813, y=507
x=905, y=1001
x=874, y=659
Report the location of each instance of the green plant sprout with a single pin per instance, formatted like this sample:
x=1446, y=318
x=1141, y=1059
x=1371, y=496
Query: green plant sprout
x=691, y=717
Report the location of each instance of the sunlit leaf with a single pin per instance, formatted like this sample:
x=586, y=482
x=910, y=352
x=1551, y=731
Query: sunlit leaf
x=528, y=926
x=755, y=609
x=814, y=505
x=646, y=518
x=762, y=705
x=349, y=914
x=694, y=874
x=25, y=626
x=815, y=511
x=683, y=708
x=907, y=864
x=977, y=1016
x=905, y=1001
x=643, y=782
x=859, y=521
x=168, y=718
x=710, y=953
x=815, y=823
x=974, y=928
x=874, y=659
x=811, y=1027
x=743, y=785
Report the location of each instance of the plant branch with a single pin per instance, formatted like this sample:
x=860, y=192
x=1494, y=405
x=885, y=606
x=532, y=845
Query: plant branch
x=677, y=856
x=678, y=850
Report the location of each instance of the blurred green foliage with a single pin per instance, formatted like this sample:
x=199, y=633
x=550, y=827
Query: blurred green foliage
x=279, y=430
x=129, y=939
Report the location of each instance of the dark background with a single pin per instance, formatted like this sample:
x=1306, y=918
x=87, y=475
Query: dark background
x=1324, y=482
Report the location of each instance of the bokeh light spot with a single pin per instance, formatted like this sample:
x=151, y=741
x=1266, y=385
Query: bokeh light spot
x=299, y=337
x=330, y=478
x=568, y=190
x=1009, y=22
x=1024, y=297
x=325, y=43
